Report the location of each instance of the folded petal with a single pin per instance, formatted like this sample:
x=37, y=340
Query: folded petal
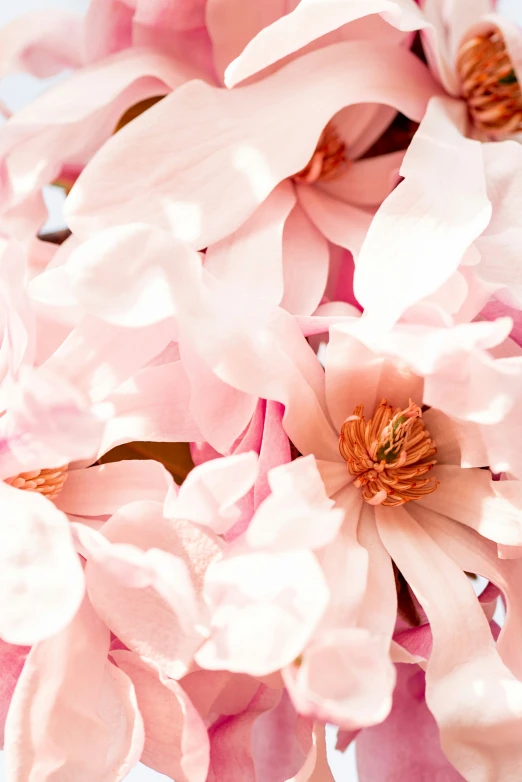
x=246, y=156
x=281, y=612
x=297, y=514
x=308, y=21
x=210, y=493
x=41, y=43
x=341, y=223
x=141, y=617
x=452, y=206
x=73, y=713
x=345, y=678
x=230, y=740
x=58, y=128
x=176, y=740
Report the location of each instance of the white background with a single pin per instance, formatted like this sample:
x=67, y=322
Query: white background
x=18, y=90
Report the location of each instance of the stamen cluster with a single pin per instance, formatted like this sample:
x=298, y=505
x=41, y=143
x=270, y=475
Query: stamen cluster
x=389, y=454
x=489, y=84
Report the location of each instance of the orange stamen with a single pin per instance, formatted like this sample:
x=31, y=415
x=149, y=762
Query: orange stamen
x=47, y=482
x=490, y=85
x=328, y=161
x=389, y=454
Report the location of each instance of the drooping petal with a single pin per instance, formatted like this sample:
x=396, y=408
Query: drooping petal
x=464, y=658
x=406, y=746
x=176, y=740
x=257, y=141
x=73, y=713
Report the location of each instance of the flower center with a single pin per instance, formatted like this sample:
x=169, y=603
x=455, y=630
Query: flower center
x=328, y=161
x=389, y=454
x=489, y=84
x=47, y=482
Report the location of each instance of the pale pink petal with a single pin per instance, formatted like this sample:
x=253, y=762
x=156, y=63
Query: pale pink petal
x=42, y=580
x=48, y=423
x=356, y=375
x=297, y=514
x=471, y=497
x=378, y=610
x=210, y=493
x=69, y=122
x=251, y=259
x=281, y=741
x=97, y=357
x=498, y=245
x=73, y=713
x=153, y=406
x=345, y=564
x=41, y=43
x=280, y=612
x=101, y=490
x=345, y=677
x=176, y=741
x=108, y=28
x=12, y=660
x=341, y=223
x=230, y=740
x=305, y=264
x=141, y=618
x=464, y=656
x=475, y=554
x=444, y=432
x=449, y=197
x=188, y=170
x=406, y=746
x=221, y=412
x=151, y=257
x=311, y=20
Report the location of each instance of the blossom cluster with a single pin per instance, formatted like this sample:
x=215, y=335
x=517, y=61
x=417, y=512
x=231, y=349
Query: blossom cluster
x=261, y=399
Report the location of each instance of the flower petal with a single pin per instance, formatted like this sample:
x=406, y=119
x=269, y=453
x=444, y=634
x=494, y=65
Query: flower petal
x=73, y=713
x=453, y=207
x=176, y=740
x=464, y=658
x=257, y=141
x=309, y=21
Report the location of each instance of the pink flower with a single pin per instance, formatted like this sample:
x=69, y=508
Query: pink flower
x=300, y=159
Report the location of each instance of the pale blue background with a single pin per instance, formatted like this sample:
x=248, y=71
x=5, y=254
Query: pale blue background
x=18, y=90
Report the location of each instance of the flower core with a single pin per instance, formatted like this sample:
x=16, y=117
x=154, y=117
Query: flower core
x=490, y=85
x=328, y=161
x=389, y=454
x=47, y=482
